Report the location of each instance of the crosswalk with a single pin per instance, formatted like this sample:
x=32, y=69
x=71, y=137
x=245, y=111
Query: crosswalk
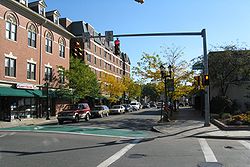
x=235, y=153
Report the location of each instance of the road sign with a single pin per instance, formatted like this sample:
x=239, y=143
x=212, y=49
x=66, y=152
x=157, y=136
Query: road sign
x=86, y=36
x=109, y=36
x=198, y=66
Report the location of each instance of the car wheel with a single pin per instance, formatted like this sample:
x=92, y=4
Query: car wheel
x=60, y=122
x=77, y=119
x=87, y=117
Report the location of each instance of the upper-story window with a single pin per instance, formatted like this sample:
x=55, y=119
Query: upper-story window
x=32, y=36
x=31, y=71
x=61, y=76
x=61, y=48
x=11, y=28
x=48, y=74
x=24, y=2
x=48, y=43
x=89, y=57
x=10, y=67
x=41, y=10
x=56, y=19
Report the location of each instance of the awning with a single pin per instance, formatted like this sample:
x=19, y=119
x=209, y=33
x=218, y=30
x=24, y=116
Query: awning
x=12, y=92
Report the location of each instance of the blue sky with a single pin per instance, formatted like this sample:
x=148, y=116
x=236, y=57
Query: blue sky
x=226, y=21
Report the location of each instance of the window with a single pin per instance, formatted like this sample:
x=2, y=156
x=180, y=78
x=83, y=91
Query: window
x=48, y=74
x=61, y=76
x=61, y=48
x=100, y=74
x=23, y=2
x=11, y=28
x=56, y=19
x=110, y=57
x=95, y=48
x=113, y=58
x=100, y=52
x=95, y=60
x=89, y=57
x=10, y=67
x=32, y=36
x=31, y=71
x=100, y=62
x=48, y=43
x=41, y=10
x=105, y=54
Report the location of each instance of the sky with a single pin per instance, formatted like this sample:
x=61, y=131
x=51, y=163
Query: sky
x=226, y=22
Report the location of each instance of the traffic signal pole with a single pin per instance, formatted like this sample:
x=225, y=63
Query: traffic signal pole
x=205, y=57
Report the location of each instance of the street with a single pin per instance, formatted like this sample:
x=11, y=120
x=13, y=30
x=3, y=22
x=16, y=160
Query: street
x=23, y=148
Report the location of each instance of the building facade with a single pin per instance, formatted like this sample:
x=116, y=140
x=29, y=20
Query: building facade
x=33, y=46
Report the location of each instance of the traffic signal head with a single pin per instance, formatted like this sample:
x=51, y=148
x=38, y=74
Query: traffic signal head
x=77, y=50
x=206, y=80
x=117, y=47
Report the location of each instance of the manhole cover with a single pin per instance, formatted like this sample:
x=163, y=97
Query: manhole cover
x=136, y=156
x=228, y=147
x=210, y=164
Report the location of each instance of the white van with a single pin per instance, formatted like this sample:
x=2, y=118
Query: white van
x=136, y=105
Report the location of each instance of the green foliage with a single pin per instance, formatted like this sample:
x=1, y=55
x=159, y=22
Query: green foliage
x=133, y=89
x=81, y=79
x=150, y=90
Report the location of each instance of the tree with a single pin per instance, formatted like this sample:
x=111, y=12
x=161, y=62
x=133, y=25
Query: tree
x=81, y=80
x=150, y=90
x=113, y=87
x=133, y=89
x=229, y=65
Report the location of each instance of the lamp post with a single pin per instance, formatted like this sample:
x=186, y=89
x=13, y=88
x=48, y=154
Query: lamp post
x=164, y=76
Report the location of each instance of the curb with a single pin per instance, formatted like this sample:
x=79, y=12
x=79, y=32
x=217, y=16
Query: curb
x=224, y=137
x=222, y=126
x=154, y=129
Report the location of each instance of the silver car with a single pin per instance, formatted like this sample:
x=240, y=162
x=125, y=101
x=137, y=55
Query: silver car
x=100, y=111
x=117, y=109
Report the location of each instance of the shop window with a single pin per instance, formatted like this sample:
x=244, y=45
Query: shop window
x=10, y=67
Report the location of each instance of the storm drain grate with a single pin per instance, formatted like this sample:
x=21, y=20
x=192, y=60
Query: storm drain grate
x=210, y=164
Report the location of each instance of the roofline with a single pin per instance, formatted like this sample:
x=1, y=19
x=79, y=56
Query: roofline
x=44, y=19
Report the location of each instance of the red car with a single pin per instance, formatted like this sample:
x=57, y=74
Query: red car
x=74, y=112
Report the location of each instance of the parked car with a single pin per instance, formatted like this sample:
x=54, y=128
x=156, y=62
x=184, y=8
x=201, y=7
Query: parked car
x=128, y=107
x=146, y=105
x=74, y=112
x=117, y=109
x=100, y=111
x=136, y=105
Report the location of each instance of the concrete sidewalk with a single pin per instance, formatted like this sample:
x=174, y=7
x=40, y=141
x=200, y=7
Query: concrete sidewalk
x=188, y=123
x=25, y=122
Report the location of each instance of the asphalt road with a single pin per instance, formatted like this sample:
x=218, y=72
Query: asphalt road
x=29, y=149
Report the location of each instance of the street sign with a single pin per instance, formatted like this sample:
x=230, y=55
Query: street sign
x=109, y=36
x=171, y=85
x=198, y=66
x=86, y=37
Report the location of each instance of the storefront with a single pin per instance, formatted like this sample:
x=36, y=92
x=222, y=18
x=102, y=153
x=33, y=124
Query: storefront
x=21, y=102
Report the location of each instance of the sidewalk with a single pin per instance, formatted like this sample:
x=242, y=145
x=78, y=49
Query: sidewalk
x=188, y=123
x=25, y=122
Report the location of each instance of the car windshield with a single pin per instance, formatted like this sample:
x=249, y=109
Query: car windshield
x=71, y=107
x=115, y=107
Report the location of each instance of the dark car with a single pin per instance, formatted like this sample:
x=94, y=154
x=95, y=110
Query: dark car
x=74, y=112
x=128, y=107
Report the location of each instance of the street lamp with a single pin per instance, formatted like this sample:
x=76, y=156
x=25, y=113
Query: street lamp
x=164, y=76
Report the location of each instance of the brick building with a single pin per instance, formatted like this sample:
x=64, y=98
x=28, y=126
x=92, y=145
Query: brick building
x=33, y=45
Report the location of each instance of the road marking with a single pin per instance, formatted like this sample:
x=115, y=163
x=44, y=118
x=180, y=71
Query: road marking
x=207, y=151
x=3, y=135
x=245, y=144
x=118, y=155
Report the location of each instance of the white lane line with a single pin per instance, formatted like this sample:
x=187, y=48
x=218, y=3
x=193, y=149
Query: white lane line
x=3, y=135
x=207, y=151
x=245, y=144
x=118, y=155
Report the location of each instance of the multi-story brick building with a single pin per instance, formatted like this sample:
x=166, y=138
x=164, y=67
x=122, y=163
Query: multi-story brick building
x=33, y=45
x=98, y=53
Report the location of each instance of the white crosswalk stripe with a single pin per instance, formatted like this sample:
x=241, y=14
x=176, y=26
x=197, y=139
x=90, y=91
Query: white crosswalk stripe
x=207, y=151
x=245, y=144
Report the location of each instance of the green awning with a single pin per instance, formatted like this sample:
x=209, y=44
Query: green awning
x=12, y=92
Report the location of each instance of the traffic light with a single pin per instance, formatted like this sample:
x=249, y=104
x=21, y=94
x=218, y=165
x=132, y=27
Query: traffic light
x=140, y=1
x=77, y=50
x=206, y=80
x=117, y=47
